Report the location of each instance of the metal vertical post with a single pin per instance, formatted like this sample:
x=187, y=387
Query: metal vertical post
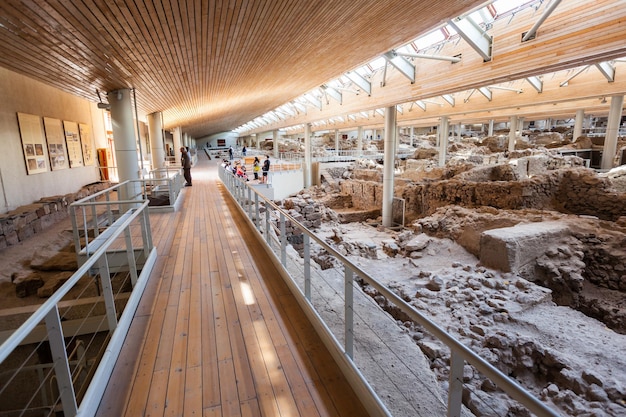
x=349, y=313
x=107, y=292
x=283, y=240
x=61, y=363
x=455, y=390
x=307, y=267
x=130, y=256
x=267, y=228
x=257, y=220
x=249, y=201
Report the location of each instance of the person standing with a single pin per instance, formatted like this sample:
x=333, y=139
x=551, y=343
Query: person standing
x=265, y=169
x=244, y=150
x=256, y=167
x=230, y=153
x=185, y=162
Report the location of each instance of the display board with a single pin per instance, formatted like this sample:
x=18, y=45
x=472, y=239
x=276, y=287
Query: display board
x=72, y=141
x=55, y=137
x=33, y=143
x=89, y=156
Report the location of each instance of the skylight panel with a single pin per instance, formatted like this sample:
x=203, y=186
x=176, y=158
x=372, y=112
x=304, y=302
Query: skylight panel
x=377, y=63
x=477, y=17
x=429, y=39
x=363, y=71
x=503, y=6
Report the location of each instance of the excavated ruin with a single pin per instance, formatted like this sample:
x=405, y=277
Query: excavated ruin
x=518, y=255
x=521, y=257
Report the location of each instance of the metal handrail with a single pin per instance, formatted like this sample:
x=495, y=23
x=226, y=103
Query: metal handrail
x=459, y=352
x=49, y=313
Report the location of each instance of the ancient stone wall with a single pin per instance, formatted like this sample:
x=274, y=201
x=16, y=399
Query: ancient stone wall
x=305, y=211
x=26, y=221
x=575, y=191
x=582, y=192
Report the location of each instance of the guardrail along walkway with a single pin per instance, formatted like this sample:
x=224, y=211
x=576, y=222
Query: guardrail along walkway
x=217, y=332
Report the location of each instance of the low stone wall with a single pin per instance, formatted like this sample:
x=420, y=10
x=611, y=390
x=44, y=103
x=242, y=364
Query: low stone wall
x=582, y=192
x=304, y=210
x=574, y=191
x=26, y=221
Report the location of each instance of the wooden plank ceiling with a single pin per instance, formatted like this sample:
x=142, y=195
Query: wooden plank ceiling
x=209, y=66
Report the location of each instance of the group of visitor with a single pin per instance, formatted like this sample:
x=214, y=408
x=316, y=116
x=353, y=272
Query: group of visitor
x=238, y=168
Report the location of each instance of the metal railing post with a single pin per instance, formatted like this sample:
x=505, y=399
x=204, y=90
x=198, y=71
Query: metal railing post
x=455, y=390
x=130, y=256
x=249, y=202
x=107, y=291
x=61, y=363
x=267, y=228
x=349, y=312
x=283, y=240
x=257, y=220
x=307, y=267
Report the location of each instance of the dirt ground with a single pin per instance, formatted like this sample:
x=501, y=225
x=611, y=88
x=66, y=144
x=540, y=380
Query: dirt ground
x=16, y=260
x=568, y=359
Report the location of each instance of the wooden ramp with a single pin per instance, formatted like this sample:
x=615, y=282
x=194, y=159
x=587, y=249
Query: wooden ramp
x=217, y=332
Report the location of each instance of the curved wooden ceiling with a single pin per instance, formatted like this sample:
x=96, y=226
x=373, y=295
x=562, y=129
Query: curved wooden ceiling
x=209, y=66
x=578, y=54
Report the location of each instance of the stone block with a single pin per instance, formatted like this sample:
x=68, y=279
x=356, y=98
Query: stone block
x=515, y=249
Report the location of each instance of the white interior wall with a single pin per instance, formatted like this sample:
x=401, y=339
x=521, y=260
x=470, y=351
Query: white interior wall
x=21, y=94
x=230, y=137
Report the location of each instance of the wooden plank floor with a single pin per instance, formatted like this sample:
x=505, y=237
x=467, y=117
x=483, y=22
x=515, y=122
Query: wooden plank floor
x=217, y=332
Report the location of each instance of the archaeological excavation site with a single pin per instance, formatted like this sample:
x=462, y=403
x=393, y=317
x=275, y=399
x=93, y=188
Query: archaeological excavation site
x=346, y=208
x=520, y=255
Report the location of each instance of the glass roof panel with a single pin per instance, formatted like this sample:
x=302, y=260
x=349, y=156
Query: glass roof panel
x=429, y=39
x=377, y=63
x=503, y=6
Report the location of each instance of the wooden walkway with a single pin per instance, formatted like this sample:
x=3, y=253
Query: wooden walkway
x=217, y=332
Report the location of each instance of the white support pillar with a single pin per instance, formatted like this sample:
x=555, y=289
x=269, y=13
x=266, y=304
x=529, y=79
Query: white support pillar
x=257, y=140
x=125, y=140
x=512, y=133
x=275, y=144
x=359, y=141
x=389, y=164
x=412, y=133
x=548, y=125
x=337, y=141
x=178, y=140
x=306, y=169
x=490, y=131
x=578, y=124
x=458, y=133
x=612, y=130
x=444, y=131
x=157, y=151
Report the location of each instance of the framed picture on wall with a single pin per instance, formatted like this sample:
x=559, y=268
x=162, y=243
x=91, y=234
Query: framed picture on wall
x=72, y=142
x=55, y=137
x=33, y=143
x=89, y=157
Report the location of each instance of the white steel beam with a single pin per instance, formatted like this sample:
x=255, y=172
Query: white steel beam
x=607, y=69
x=333, y=93
x=533, y=31
x=401, y=64
x=474, y=35
x=485, y=92
x=453, y=59
x=449, y=99
x=536, y=82
x=360, y=81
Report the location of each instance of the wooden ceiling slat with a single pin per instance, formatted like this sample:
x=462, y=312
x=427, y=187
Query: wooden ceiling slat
x=44, y=55
x=211, y=65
